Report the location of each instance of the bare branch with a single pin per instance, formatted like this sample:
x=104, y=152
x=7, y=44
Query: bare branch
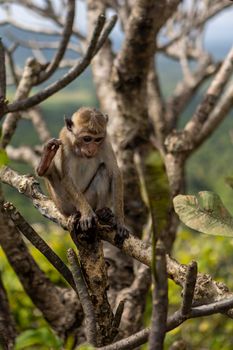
x=31, y=69
x=189, y=22
x=160, y=299
x=38, y=242
x=23, y=154
x=67, y=78
x=2, y=75
x=39, y=124
x=173, y=321
x=89, y=312
x=189, y=288
x=185, y=89
x=202, y=113
x=67, y=32
x=216, y=117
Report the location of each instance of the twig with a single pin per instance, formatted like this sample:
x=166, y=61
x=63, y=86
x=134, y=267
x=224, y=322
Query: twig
x=118, y=314
x=39, y=243
x=66, y=79
x=189, y=288
x=67, y=32
x=219, y=113
x=88, y=309
x=202, y=113
x=2, y=73
x=160, y=299
x=173, y=321
x=107, y=30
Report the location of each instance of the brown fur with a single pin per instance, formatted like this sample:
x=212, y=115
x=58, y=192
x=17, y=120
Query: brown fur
x=77, y=181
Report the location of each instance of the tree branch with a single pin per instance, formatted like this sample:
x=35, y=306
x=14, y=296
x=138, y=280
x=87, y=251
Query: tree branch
x=160, y=299
x=202, y=113
x=67, y=32
x=67, y=78
x=84, y=297
x=189, y=288
x=38, y=242
x=7, y=324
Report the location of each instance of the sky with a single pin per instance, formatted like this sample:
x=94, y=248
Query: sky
x=218, y=34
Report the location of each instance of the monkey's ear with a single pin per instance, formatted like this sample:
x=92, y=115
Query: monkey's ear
x=69, y=123
x=106, y=117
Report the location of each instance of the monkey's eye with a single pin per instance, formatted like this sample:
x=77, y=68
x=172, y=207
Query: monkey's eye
x=98, y=139
x=87, y=139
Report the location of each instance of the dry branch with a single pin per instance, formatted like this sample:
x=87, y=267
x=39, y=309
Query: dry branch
x=202, y=113
x=160, y=299
x=84, y=297
x=72, y=74
x=67, y=32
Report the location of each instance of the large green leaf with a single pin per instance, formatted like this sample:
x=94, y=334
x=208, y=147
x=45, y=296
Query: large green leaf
x=204, y=213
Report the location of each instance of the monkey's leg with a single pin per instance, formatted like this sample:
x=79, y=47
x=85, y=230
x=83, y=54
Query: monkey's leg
x=50, y=149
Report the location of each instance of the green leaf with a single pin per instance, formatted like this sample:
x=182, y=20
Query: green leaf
x=204, y=213
x=40, y=336
x=4, y=160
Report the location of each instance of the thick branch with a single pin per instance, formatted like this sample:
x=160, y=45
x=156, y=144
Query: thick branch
x=160, y=299
x=7, y=324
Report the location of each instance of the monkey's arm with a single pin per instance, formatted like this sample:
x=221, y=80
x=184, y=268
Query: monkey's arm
x=88, y=217
x=50, y=149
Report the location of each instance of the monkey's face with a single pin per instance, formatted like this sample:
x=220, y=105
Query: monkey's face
x=88, y=145
x=86, y=131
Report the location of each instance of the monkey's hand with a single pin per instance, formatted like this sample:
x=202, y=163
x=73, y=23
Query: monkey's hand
x=52, y=145
x=88, y=220
x=50, y=149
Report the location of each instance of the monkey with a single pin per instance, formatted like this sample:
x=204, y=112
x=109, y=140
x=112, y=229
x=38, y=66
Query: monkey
x=81, y=170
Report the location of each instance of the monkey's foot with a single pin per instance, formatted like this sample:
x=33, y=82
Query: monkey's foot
x=122, y=233
x=106, y=216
